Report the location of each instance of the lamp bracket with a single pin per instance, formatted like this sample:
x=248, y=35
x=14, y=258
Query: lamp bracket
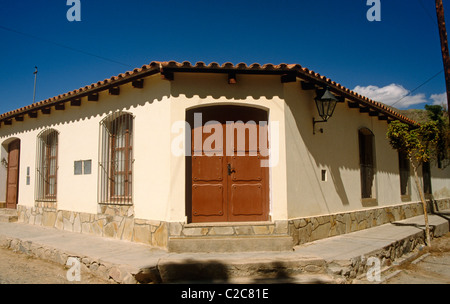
x=314, y=125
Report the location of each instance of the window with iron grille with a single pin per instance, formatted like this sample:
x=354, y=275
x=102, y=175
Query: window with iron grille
x=47, y=165
x=367, y=163
x=116, y=159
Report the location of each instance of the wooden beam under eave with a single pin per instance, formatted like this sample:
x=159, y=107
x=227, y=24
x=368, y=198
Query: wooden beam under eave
x=382, y=117
x=306, y=86
x=93, y=97
x=75, y=102
x=288, y=78
x=114, y=91
x=232, y=78
x=167, y=75
x=352, y=105
x=19, y=118
x=138, y=84
x=60, y=107
x=364, y=110
x=7, y=122
x=373, y=113
x=46, y=110
x=33, y=114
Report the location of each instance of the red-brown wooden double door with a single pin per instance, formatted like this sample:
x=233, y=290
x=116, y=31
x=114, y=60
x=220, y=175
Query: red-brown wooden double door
x=227, y=181
x=12, y=180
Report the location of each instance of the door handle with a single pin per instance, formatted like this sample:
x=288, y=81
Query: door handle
x=230, y=170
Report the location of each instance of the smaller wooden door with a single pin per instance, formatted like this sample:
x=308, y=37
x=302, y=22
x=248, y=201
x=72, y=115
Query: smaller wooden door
x=12, y=180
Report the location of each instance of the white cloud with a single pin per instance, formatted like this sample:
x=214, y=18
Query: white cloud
x=439, y=99
x=393, y=94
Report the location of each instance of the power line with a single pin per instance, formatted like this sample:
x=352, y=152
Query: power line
x=64, y=46
x=427, y=12
x=434, y=76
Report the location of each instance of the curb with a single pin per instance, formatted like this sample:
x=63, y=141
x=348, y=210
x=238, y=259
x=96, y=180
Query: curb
x=122, y=274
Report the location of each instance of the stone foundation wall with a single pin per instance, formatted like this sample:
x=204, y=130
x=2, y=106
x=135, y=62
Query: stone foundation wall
x=308, y=229
x=112, y=221
x=119, y=222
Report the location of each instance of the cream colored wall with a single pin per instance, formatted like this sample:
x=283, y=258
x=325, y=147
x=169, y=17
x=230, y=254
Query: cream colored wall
x=195, y=90
x=336, y=150
x=440, y=183
x=78, y=129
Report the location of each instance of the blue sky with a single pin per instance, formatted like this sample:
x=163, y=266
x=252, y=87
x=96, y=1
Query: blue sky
x=384, y=60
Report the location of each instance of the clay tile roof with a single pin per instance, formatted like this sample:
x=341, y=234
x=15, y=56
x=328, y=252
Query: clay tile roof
x=158, y=67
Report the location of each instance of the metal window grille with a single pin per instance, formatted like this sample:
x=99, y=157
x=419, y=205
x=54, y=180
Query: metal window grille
x=116, y=159
x=47, y=165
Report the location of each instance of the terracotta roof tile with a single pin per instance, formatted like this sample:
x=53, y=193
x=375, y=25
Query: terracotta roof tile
x=158, y=66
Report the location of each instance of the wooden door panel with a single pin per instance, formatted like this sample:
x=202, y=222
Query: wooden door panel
x=11, y=196
x=209, y=200
x=207, y=168
x=246, y=168
x=246, y=199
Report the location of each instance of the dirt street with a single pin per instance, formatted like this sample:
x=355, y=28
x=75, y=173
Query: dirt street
x=433, y=268
x=18, y=268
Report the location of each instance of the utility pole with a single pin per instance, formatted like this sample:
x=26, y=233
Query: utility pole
x=35, y=77
x=444, y=47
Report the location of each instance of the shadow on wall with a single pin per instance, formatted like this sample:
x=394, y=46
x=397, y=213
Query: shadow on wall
x=216, y=86
x=336, y=150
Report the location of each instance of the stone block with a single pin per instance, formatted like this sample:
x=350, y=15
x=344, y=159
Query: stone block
x=222, y=231
x=49, y=219
x=142, y=234
x=175, y=228
x=321, y=231
x=85, y=217
x=38, y=219
x=128, y=227
x=261, y=230
x=243, y=230
x=195, y=231
x=67, y=225
x=161, y=236
x=281, y=227
x=77, y=224
x=110, y=230
x=59, y=220
x=66, y=214
x=31, y=219
x=96, y=229
x=86, y=228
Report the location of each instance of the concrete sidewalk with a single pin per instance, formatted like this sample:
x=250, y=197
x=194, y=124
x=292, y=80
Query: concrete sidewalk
x=336, y=259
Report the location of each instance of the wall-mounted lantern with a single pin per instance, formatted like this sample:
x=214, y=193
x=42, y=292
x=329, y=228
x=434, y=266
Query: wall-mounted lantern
x=325, y=106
